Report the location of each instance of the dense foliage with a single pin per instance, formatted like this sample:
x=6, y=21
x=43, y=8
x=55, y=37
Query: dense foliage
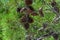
x=30, y=20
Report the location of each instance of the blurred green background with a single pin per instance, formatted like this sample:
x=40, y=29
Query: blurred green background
x=10, y=26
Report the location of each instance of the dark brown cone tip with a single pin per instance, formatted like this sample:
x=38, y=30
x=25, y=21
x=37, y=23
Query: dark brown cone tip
x=26, y=26
x=53, y=3
x=28, y=2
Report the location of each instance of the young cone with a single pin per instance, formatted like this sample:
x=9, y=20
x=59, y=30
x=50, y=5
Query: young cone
x=53, y=3
x=28, y=2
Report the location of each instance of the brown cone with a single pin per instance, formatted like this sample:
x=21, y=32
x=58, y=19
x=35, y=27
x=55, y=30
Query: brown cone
x=28, y=2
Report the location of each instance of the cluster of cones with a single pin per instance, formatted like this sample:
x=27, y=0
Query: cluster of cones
x=29, y=10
